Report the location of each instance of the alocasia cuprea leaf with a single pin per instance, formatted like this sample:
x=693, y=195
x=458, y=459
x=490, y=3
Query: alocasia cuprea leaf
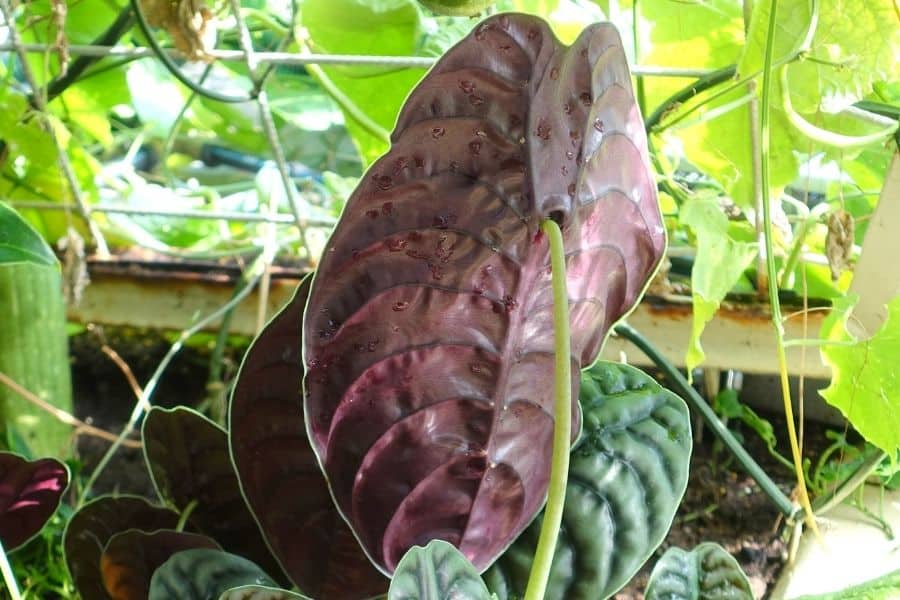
x=30, y=492
x=626, y=478
x=707, y=572
x=188, y=459
x=202, y=573
x=428, y=338
x=435, y=572
x=278, y=472
x=94, y=525
x=130, y=558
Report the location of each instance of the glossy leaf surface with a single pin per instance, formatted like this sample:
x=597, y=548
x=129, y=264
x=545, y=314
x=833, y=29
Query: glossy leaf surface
x=435, y=572
x=188, y=459
x=201, y=574
x=428, y=334
x=279, y=475
x=626, y=478
x=30, y=492
x=94, y=525
x=707, y=572
x=131, y=557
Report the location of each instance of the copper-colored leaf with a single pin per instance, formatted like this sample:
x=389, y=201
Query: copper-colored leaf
x=91, y=528
x=279, y=473
x=188, y=459
x=131, y=557
x=428, y=335
x=30, y=492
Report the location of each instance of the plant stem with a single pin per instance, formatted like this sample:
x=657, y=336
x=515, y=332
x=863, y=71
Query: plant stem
x=8, y=575
x=848, y=486
x=772, y=278
x=784, y=504
x=562, y=421
x=686, y=93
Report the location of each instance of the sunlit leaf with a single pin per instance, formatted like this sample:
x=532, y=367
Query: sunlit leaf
x=865, y=374
x=720, y=263
x=882, y=588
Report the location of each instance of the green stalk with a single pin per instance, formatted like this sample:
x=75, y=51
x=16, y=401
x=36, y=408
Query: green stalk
x=562, y=422
x=698, y=404
x=772, y=273
x=8, y=576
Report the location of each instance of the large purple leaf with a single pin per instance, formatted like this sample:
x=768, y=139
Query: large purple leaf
x=130, y=558
x=279, y=474
x=30, y=492
x=428, y=334
x=188, y=459
x=91, y=528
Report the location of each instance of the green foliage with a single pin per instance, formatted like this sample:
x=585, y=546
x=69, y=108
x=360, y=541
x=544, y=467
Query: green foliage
x=707, y=572
x=34, y=344
x=434, y=572
x=882, y=588
x=720, y=263
x=635, y=443
x=201, y=574
x=864, y=374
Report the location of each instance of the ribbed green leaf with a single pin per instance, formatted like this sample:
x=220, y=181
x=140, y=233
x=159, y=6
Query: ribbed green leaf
x=436, y=572
x=201, y=574
x=707, y=572
x=627, y=475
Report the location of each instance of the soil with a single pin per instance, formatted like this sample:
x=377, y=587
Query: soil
x=722, y=503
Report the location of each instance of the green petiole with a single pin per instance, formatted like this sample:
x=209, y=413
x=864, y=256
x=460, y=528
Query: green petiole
x=562, y=424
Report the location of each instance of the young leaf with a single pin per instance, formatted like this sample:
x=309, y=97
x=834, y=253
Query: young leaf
x=864, y=374
x=719, y=265
x=94, y=525
x=626, y=478
x=428, y=334
x=188, y=459
x=435, y=572
x=30, y=492
x=706, y=572
x=273, y=459
x=130, y=558
x=201, y=573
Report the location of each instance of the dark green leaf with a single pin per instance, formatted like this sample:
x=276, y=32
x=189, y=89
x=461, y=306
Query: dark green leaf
x=626, y=478
x=260, y=592
x=436, y=572
x=202, y=574
x=707, y=572
x=188, y=459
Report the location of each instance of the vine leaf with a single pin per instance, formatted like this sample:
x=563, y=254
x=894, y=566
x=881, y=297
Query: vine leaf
x=428, y=336
x=188, y=459
x=864, y=374
x=435, y=572
x=707, y=572
x=19, y=242
x=626, y=478
x=721, y=261
x=201, y=573
x=94, y=524
x=30, y=492
x=130, y=558
x=273, y=458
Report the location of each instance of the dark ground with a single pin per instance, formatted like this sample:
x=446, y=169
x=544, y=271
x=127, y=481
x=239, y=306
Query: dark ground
x=722, y=504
